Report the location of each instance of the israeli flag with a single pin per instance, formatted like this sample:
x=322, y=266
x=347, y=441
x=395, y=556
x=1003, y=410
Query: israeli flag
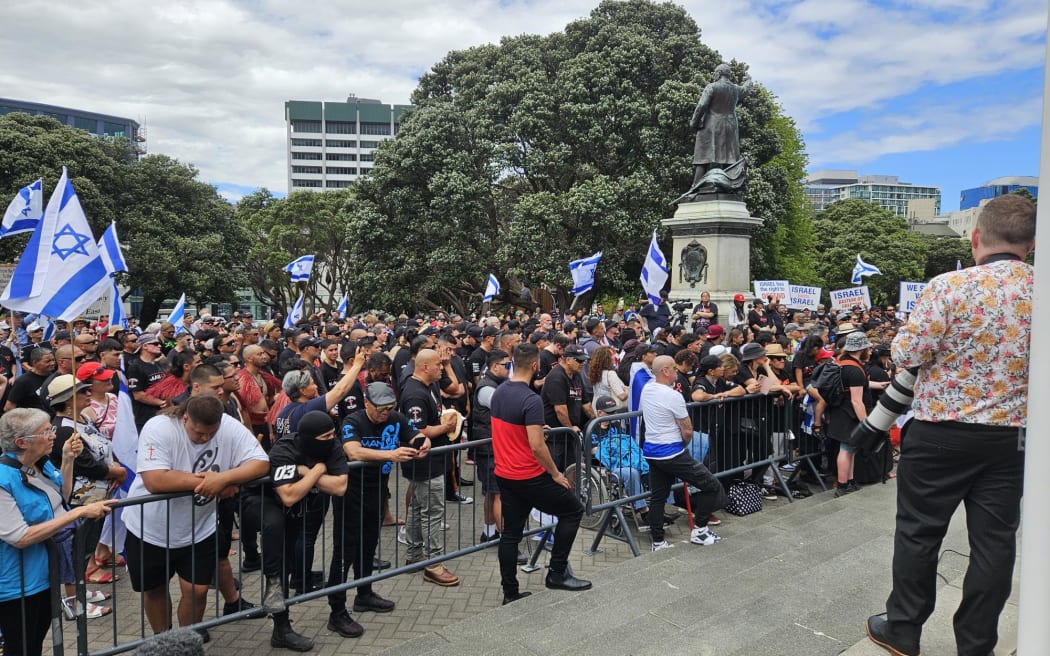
x=342, y=306
x=296, y=315
x=109, y=247
x=582, y=272
x=491, y=289
x=25, y=211
x=863, y=269
x=61, y=271
x=116, y=310
x=301, y=268
x=958, y=265
x=654, y=272
x=175, y=318
x=125, y=435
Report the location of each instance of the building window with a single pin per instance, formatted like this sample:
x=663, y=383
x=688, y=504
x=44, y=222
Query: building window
x=340, y=127
x=91, y=125
x=306, y=169
x=397, y=129
x=314, y=156
x=306, y=183
x=341, y=143
x=342, y=170
x=341, y=157
x=114, y=129
x=368, y=157
x=337, y=184
x=307, y=142
x=375, y=128
x=370, y=144
x=305, y=126
x=365, y=170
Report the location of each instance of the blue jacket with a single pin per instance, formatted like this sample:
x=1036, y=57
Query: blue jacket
x=36, y=509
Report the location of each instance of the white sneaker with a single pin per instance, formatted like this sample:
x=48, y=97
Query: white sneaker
x=704, y=536
x=402, y=535
x=663, y=544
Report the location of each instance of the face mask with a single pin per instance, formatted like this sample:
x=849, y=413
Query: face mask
x=314, y=448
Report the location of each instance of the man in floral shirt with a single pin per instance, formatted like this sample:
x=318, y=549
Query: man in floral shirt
x=969, y=339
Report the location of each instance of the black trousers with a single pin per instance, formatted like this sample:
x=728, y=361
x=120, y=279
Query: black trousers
x=35, y=612
x=705, y=492
x=355, y=533
x=307, y=527
x=279, y=534
x=518, y=499
x=943, y=465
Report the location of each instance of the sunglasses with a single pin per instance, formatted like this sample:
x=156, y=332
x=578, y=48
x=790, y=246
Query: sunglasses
x=229, y=343
x=385, y=408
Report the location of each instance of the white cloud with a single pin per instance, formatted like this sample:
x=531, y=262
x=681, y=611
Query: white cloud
x=209, y=78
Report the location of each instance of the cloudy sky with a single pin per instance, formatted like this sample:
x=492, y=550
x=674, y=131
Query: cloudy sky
x=939, y=92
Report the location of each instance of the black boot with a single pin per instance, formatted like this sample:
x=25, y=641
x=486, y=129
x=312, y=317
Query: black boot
x=285, y=638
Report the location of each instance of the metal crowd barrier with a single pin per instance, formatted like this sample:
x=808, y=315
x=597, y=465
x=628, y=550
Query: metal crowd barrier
x=461, y=541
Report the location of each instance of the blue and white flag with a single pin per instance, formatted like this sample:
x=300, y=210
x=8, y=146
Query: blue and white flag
x=863, y=269
x=61, y=271
x=109, y=248
x=301, y=268
x=582, y=272
x=491, y=289
x=125, y=435
x=296, y=315
x=654, y=272
x=25, y=211
x=177, y=314
x=116, y=309
x=342, y=306
x=958, y=265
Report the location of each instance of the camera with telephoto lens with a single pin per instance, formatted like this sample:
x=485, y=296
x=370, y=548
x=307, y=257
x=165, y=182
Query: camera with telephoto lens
x=682, y=305
x=895, y=401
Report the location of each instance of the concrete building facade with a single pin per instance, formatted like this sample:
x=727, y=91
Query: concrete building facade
x=828, y=186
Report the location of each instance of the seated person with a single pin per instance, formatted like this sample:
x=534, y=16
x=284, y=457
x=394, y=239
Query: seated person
x=617, y=451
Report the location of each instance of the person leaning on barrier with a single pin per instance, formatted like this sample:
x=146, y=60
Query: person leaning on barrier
x=668, y=432
x=969, y=336
x=528, y=478
x=32, y=504
x=496, y=372
x=199, y=449
x=379, y=435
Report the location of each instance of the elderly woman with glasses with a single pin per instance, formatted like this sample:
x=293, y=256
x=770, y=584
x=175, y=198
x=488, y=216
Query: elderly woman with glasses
x=32, y=494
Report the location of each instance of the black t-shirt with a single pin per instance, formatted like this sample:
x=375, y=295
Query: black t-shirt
x=401, y=359
x=842, y=418
x=705, y=418
x=754, y=318
x=419, y=403
x=476, y=363
x=682, y=386
x=876, y=374
x=140, y=376
x=388, y=436
x=286, y=456
x=700, y=325
x=460, y=369
x=559, y=389
x=547, y=362
x=25, y=391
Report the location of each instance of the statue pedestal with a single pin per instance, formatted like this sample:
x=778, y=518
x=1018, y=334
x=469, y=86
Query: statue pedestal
x=720, y=228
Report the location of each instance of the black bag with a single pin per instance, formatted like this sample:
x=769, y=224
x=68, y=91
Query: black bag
x=827, y=379
x=745, y=498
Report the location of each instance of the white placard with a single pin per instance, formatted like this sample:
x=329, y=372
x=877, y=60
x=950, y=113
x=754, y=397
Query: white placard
x=802, y=297
x=778, y=289
x=910, y=293
x=846, y=299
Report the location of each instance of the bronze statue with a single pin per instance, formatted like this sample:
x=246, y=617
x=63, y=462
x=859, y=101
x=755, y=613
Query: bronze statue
x=717, y=163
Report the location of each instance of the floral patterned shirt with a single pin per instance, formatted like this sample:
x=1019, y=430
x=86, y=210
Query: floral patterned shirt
x=970, y=334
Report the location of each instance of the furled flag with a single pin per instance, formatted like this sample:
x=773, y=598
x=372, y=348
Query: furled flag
x=116, y=309
x=863, y=269
x=654, y=272
x=25, y=211
x=582, y=272
x=301, y=268
x=958, y=265
x=109, y=248
x=125, y=435
x=342, y=306
x=296, y=315
x=491, y=289
x=177, y=313
x=61, y=271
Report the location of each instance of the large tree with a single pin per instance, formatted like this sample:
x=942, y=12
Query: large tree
x=522, y=156
x=882, y=239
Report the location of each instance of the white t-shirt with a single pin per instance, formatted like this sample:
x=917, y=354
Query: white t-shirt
x=611, y=385
x=164, y=445
x=661, y=407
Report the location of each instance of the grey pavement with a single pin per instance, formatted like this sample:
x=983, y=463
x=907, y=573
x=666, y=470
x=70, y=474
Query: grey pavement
x=794, y=579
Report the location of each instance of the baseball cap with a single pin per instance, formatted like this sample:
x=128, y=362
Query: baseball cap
x=474, y=331
x=34, y=327
x=575, y=352
x=714, y=331
x=792, y=326
x=308, y=342
x=429, y=330
x=604, y=404
x=752, y=351
x=739, y=298
x=487, y=331
x=94, y=371
x=719, y=350
x=379, y=393
x=538, y=336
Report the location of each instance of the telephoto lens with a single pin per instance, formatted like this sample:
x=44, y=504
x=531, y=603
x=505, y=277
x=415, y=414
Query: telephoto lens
x=895, y=401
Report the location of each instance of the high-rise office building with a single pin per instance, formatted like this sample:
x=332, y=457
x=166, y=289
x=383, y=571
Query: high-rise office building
x=970, y=198
x=829, y=186
x=93, y=122
x=331, y=144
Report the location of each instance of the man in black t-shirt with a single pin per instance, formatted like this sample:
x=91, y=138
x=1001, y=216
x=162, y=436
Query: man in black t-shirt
x=376, y=435
x=486, y=342
x=143, y=372
x=549, y=356
x=25, y=391
x=565, y=401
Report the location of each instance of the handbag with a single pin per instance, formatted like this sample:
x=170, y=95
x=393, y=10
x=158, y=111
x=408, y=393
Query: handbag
x=745, y=498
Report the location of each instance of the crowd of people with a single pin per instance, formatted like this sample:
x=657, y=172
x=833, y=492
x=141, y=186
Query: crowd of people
x=327, y=410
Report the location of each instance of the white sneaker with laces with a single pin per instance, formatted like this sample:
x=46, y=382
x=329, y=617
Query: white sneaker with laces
x=704, y=536
x=660, y=546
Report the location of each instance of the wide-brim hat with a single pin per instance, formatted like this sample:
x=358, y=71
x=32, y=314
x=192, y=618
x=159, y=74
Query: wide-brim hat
x=61, y=388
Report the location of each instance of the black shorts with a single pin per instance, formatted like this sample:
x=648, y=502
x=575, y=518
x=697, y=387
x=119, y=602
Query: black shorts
x=151, y=566
x=485, y=472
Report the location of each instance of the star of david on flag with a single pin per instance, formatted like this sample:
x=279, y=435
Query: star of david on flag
x=25, y=211
x=301, y=268
x=582, y=272
x=862, y=269
x=61, y=271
